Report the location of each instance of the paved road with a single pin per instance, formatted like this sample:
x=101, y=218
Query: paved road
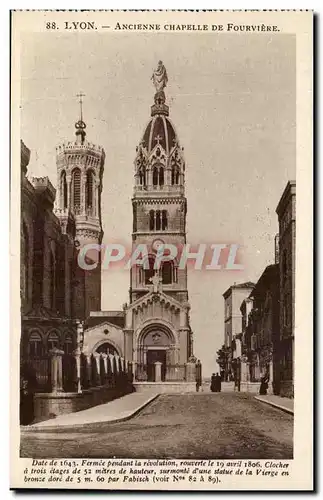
x=225, y=425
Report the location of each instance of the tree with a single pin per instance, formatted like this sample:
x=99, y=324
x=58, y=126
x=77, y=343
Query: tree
x=223, y=357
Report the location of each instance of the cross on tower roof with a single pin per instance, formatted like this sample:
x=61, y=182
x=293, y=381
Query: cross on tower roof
x=158, y=138
x=80, y=95
x=80, y=125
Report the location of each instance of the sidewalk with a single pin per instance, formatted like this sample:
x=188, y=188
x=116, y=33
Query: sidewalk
x=284, y=404
x=115, y=411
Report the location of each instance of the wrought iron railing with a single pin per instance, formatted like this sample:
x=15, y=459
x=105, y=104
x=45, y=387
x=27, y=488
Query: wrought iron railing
x=41, y=366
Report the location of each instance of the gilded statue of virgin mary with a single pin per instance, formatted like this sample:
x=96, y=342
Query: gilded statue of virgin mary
x=159, y=77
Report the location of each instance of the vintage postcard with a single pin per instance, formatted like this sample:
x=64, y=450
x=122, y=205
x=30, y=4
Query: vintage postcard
x=161, y=250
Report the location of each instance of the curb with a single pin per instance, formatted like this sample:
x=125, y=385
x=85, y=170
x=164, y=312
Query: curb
x=275, y=405
x=34, y=429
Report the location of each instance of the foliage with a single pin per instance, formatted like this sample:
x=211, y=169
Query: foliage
x=223, y=356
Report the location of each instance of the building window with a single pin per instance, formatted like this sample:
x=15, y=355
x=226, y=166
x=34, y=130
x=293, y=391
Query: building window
x=161, y=176
x=53, y=341
x=63, y=190
x=107, y=348
x=151, y=220
x=155, y=176
x=158, y=176
x=76, y=189
x=89, y=189
x=158, y=220
x=164, y=220
x=149, y=271
x=142, y=176
x=175, y=175
x=35, y=345
x=68, y=344
x=167, y=272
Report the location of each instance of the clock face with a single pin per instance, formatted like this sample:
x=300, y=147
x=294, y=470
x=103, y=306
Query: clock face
x=157, y=244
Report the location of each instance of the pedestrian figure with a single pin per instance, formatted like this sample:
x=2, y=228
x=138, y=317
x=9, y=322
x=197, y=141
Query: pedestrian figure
x=263, y=385
x=215, y=383
x=198, y=368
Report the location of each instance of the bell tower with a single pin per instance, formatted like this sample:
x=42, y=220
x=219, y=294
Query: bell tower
x=159, y=202
x=80, y=166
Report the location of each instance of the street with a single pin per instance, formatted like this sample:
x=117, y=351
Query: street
x=199, y=425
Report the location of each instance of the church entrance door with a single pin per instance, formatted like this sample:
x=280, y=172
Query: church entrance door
x=154, y=355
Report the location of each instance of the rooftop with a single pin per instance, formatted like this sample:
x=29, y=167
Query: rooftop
x=235, y=286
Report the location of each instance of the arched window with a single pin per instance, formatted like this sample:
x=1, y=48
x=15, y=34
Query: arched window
x=167, y=272
x=149, y=270
x=76, y=189
x=35, y=345
x=52, y=341
x=158, y=220
x=63, y=190
x=161, y=176
x=107, y=348
x=151, y=220
x=142, y=176
x=89, y=189
x=173, y=175
x=155, y=176
x=164, y=220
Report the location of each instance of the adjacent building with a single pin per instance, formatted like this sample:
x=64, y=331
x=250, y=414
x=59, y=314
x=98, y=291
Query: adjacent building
x=286, y=211
x=233, y=297
x=48, y=270
x=260, y=339
x=265, y=343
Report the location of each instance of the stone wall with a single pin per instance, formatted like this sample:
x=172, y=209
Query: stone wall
x=49, y=405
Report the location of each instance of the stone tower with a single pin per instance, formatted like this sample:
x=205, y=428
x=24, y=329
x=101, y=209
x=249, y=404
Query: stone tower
x=157, y=325
x=80, y=166
x=159, y=203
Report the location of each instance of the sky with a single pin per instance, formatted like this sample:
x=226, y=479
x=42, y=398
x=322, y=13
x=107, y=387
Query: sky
x=232, y=101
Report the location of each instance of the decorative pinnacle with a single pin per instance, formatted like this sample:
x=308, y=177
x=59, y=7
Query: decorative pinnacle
x=80, y=125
